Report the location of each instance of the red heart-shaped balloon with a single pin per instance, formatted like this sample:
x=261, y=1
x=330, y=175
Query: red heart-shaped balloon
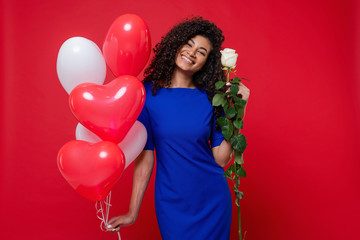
x=91, y=169
x=108, y=110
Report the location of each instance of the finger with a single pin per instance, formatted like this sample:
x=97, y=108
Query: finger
x=240, y=83
x=115, y=230
x=112, y=224
x=109, y=228
x=243, y=93
x=244, y=88
x=113, y=220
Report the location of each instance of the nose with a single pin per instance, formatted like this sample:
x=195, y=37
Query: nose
x=192, y=53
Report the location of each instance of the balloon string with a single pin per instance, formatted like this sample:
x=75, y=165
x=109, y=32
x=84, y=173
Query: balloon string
x=102, y=212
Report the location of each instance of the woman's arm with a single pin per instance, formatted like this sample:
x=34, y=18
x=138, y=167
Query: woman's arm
x=142, y=171
x=222, y=153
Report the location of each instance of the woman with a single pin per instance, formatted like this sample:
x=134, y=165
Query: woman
x=192, y=198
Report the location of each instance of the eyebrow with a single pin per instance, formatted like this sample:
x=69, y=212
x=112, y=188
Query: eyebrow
x=200, y=47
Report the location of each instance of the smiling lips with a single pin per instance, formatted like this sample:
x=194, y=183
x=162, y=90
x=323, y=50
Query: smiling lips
x=187, y=60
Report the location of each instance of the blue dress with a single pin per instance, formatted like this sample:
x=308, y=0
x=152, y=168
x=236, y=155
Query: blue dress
x=192, y=198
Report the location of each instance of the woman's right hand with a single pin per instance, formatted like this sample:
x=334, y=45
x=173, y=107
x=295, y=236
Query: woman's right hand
x=143, y=166
x=116, y=223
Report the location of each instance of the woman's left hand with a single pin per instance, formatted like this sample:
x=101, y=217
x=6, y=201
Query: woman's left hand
x=243, y=93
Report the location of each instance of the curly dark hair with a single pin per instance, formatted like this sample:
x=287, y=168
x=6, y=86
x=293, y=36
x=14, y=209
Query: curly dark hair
x=163, y=64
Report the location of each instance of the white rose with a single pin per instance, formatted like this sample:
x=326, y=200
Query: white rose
x=228, y=57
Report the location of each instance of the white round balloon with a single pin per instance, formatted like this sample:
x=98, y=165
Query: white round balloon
x=80, y=60
x=131, y=145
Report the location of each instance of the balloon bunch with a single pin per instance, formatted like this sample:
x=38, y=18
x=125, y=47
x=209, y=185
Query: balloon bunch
x=108, y=137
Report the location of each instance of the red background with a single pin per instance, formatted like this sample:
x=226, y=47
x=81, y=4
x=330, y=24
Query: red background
x=302, y=122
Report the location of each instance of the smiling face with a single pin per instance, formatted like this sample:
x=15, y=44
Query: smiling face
x=193, y=55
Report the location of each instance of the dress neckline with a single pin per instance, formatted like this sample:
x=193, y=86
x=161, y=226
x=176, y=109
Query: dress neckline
x=182, y=88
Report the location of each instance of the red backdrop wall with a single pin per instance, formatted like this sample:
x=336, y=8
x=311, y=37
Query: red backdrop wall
x=302, y=123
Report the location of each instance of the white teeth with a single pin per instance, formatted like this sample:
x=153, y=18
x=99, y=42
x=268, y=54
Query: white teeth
x=186, y=59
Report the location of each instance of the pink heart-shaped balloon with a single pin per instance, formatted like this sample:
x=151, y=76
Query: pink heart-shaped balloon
x=91, y=169
x=108, y=110
x=131, y=145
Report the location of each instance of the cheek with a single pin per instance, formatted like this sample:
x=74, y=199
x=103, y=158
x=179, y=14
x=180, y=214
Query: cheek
x=177, y=58
x=184, y=48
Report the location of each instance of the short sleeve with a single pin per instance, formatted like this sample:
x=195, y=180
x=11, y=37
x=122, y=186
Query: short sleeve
x=144, y=118
x=216, y=137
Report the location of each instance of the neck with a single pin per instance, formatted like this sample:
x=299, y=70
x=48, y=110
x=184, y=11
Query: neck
x=181, y=79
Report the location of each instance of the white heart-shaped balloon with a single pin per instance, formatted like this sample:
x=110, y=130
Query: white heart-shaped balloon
x=131, y=145
x=80, y=60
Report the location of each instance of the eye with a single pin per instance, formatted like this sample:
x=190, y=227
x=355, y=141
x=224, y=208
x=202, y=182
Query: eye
x=188, y=44
x=201, y=53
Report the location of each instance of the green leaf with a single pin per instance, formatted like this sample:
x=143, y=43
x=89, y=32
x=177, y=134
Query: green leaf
x=238, y=106
x=232, y=168
x=240, y=102
x=239, y=113
x=239, y=109
x=221, y=121
x=241, y=171
x=235, y=80
x=234, y=89
x=235, y=143
x=237, y=99
x=227, y=129
x=238, y=123
x=230, y=112
x=239, y=143
x=243, y=143
x=219, y=99
x=219, y=85
x=225, y=106
x=228, y=173
x=239, y=158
